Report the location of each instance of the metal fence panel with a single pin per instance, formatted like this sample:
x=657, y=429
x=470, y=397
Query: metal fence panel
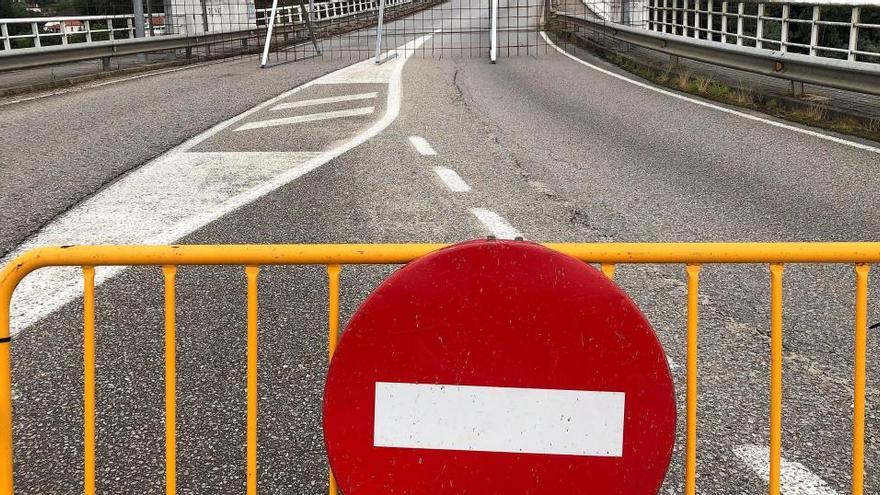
x=608, y=256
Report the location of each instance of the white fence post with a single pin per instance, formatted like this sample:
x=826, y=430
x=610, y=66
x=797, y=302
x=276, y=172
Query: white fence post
x=4, y=32
x=854, y=33
x=379, y=31
x=493, y=43
x=269, y=33
x=35, y=30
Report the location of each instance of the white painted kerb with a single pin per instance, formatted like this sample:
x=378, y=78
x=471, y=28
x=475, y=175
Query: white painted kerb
x=499, y=419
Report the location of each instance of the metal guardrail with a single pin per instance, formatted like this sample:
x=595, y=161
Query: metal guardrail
x=24, y=58
x=252, y=257
x=860, y=77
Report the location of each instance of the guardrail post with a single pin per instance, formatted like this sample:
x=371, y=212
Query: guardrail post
x=724, y=6
x=814, y=31
x=35, y=30
x=783, y=35
x=4, y=33
x=854, y=33
x=105, y=64
x=710, y=17
x=797, y=89
x=740, y=12
x=759, y=27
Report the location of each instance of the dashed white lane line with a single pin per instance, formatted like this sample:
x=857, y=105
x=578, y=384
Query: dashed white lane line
x=313, y=117
x=845, y=142
x=202, y=188
x=452, y=180
x=795, y=479
x=323, y=101
x=497, y=225
x=422, y=146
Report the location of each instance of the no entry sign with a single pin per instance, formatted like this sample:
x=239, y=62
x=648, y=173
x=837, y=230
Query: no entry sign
x=498, y=367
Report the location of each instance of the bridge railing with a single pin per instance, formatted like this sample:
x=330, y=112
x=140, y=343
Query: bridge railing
x=36, y=32
x=833, y=30
x=43, y=32
x=836, y=44
x=840, y=29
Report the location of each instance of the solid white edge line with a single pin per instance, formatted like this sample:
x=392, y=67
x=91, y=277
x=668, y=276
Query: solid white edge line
x=313, y=117
x=422, y=145
x=452, y=180
x=744, y=115
x=496, y=224
x=322, y=101
x=795, y=478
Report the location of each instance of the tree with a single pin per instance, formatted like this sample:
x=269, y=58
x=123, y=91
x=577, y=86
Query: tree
x=11, y=8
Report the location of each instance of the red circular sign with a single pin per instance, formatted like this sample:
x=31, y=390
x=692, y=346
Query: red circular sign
x=499, y=367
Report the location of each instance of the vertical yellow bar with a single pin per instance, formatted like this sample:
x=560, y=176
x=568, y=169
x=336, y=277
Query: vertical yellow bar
x=775, y=375
x=693, y=275
x=333, y=333
x=89, y=377
x=252, y=272
x=608, y=270
x=6, y=470
x=170, y=382
x=861, y=345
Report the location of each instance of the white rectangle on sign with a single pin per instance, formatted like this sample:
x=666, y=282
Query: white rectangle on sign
x=499, y=419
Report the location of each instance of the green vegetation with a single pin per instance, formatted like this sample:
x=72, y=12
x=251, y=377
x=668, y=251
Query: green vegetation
x=10, y=8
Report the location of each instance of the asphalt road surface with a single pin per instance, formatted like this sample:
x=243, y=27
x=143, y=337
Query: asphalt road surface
x=540, y=146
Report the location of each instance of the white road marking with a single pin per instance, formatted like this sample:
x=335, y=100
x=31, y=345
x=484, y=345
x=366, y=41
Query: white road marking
x=499, y=419
x=323, y=101
x=452, y=180
x=203, y=188
x=706, y=104
x=497, y=225
x=795, y=479
x=422, y=146
x=313, y=117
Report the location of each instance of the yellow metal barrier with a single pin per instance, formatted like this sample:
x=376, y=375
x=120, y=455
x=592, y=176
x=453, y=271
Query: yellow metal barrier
x=608, y=256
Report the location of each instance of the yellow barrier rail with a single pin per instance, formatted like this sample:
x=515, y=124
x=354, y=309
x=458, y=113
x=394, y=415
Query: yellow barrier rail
x=607, y=255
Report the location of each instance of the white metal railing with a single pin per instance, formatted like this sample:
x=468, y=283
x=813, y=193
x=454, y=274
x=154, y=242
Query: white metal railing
x=834, y=30
x=323, y=10
x=36, y=31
